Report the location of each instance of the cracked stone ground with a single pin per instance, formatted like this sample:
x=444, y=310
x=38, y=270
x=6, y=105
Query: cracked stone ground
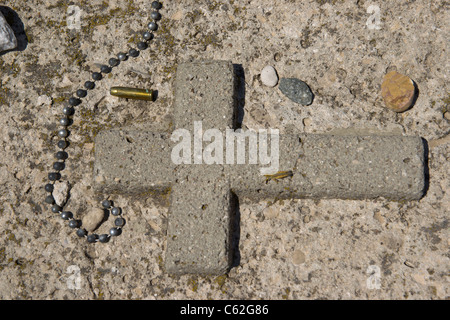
x=296, y=249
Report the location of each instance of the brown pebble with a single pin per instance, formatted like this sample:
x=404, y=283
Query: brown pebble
x=398, y=91
x=93, y=219
x=277, y=57
x=298, y=257
x=408, y=264
x=270, y=212
x=447, y=115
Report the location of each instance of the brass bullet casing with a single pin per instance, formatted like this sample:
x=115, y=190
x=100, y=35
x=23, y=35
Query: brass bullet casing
x=132, y=93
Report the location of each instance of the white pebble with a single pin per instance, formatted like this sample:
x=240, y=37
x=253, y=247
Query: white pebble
x=61, y=192
x=269, y=76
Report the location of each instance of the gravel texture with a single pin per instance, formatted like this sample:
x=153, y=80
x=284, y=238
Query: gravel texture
x=289, y=249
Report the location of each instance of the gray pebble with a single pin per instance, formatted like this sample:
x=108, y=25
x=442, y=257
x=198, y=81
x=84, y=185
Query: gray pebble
x=296, y=90
x=8, y=40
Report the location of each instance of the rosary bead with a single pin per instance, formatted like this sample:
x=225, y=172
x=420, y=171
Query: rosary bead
x=81, y=93
x=74, y=224
x=74, y=101
x=50, y=200
x=97, y=76
x=66, y=215
x=156, y=5
x=92, y=238
x=114, y=232
x=58, y=166
x=153, y=26
x=142, y=45
x=113, y=62
x=122, y=56
x=103, y=238
x=53, y=176
x=155, y=15
x=62, y=144
x=89, y=85
x=64, y=122
x=68, y=111
x=116, y=211
x=133, y=53
x=105, y=69
x=119, y=222
x=106, y=204
x=56, y=208
x=63, y=133
x=61, y=155
x=80, y=232
x=49, y=187
x=147, y=35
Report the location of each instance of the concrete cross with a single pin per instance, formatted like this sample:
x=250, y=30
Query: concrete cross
x=203, y=197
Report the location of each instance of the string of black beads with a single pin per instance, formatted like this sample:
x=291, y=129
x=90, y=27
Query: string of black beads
x=63, y=133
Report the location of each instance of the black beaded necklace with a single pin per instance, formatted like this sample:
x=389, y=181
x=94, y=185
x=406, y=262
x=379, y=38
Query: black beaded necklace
x=64, y=133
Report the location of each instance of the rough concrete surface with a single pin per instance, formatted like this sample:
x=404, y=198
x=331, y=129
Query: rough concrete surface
x=287, y=249
x=201, y=194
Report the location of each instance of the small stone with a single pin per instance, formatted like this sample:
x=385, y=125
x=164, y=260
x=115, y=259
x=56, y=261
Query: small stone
x=296, y=90
x=269, y=76
x=298, y=257
x=409, y=264
x=93, y=219
x=398, y=91
x=377, y=216
x=277, y=57
x=8, y=40
x=307, y=122
x=61, y=192
x=447, y=115
x=270, y=212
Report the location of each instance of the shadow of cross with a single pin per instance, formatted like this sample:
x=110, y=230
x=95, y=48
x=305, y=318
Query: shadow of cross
x=203, y=197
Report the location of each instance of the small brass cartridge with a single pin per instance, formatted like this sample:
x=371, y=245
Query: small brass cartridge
x=132, y=93
x=278, y=175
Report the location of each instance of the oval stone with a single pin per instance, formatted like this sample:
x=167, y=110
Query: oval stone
x=398, y=91
x=298, y=257
x=93, y=219
x=296, y=90
x=269, y=76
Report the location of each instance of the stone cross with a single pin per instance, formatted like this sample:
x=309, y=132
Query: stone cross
x=203, y=197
